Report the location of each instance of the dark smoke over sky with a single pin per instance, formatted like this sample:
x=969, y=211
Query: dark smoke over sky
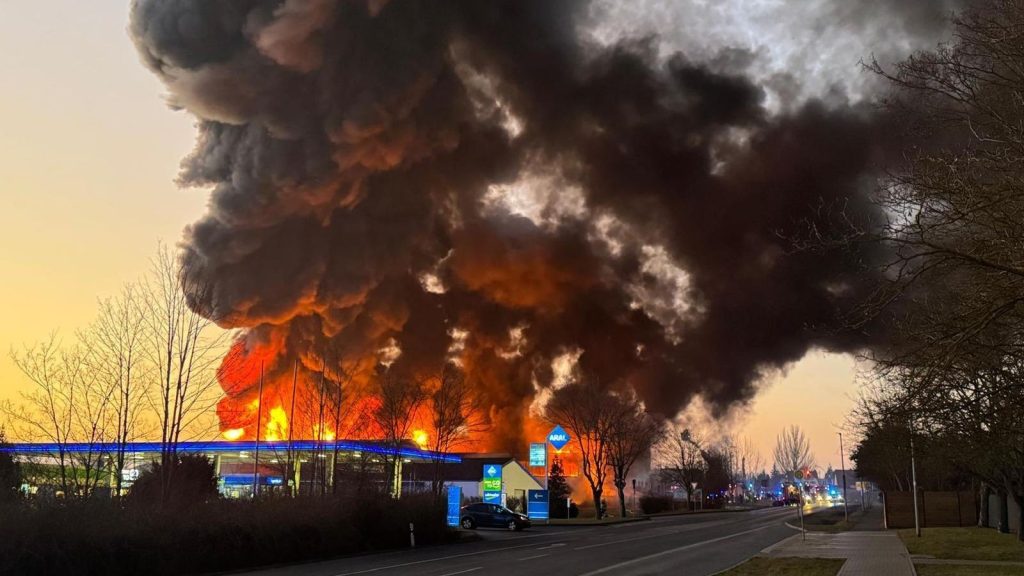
x=526, y=185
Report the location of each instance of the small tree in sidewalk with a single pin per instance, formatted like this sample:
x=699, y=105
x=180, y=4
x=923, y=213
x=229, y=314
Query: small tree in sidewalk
x=558, y=489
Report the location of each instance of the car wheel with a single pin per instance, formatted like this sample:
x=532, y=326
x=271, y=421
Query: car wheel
x=468, y=523
x=512, y=525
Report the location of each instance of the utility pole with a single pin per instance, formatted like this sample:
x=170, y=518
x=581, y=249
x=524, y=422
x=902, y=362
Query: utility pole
x=803, y=531
x=842, y=462
x=292, y=488
x=743, y=474
x=259, y=422
x=913, y=480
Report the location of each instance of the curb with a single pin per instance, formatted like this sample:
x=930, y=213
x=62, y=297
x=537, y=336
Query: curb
x=772, y=548
x=797, y=528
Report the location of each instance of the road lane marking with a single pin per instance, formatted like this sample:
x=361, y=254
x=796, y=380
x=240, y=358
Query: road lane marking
x=626, y=540
x=673, y=551
x=550, y=546
x=689, y=528
x=429, y=560
x=533, y=557
x=463, y=571
x=477, y=553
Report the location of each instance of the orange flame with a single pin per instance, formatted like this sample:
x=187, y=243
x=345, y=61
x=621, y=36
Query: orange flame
x=277, y=425
x=420, y=437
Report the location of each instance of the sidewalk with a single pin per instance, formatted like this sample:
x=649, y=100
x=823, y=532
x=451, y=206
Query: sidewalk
x=867, y=553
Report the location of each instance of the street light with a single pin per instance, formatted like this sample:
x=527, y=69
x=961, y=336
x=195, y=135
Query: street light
x=913, y=479
x=842, y=461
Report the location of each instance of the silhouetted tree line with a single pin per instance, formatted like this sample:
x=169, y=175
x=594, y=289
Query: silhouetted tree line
x=951, y=241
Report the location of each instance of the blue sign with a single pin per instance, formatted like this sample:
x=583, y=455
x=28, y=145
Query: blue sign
x=491, y=497
x=538, y=454
x=558, y=437
x=537, y=504
x=454, y=505
x=492, y=478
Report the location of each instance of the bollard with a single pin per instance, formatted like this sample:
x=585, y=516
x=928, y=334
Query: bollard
x=412, y=535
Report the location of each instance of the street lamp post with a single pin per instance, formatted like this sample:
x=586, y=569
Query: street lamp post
x=798, y=481
x=842, y=461
x=913, y=480
x=259, y=414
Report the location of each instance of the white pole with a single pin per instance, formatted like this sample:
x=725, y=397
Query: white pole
x=842, y=461
x=803, y=531
x=913, y=476
x=547, y=474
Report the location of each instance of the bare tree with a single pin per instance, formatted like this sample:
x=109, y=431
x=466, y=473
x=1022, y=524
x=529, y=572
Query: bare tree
x=455, y=415
x=792, y=451
x=750, y=460
x=115, y=356
x=184, y=348
x=681, y=454
x=953, y=227
x=949, y=216
x=398, y=399
x=588, y=415
x=67, y=405
x=632, y=434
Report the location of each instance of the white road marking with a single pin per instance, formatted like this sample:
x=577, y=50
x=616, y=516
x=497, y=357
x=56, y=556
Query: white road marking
x=659, y=534
x=672, y=551
x=428, y=560
x=689, y=528
x=533, y=557
x=549, y=546
x=442, y=558
x=463, y=571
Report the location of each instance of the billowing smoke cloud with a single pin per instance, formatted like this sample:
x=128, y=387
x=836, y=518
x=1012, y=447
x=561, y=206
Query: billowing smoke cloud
x=498, y=183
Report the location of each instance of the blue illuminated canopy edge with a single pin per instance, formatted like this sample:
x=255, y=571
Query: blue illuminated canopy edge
x=217, y=446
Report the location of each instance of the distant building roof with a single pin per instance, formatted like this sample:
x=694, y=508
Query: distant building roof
x=470, y=468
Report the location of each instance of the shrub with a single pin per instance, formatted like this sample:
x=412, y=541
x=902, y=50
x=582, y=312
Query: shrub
x=515, y=504
x=10, y=474
x=101, y=537
x=194, y=481
x=651, y=504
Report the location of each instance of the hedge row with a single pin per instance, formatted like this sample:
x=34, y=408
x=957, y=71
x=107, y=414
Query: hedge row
x=100, y=537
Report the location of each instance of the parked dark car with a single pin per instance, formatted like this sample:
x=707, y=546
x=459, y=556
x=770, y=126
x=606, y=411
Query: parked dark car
x=482, y=515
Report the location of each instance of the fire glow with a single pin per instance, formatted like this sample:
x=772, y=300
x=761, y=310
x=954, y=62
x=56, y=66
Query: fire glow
x=497, y=193
x=321, y=409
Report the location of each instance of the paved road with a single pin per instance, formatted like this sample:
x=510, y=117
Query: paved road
x=692, y=545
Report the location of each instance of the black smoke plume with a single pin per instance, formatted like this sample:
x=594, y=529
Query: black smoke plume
x=477, y=180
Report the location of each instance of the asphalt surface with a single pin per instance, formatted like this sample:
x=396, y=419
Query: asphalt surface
x=699, y=544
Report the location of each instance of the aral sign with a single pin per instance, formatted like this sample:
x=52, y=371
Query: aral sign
x=558, y=437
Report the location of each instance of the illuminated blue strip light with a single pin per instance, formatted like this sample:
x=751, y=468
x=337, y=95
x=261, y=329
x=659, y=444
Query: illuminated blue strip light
x=216, y=446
